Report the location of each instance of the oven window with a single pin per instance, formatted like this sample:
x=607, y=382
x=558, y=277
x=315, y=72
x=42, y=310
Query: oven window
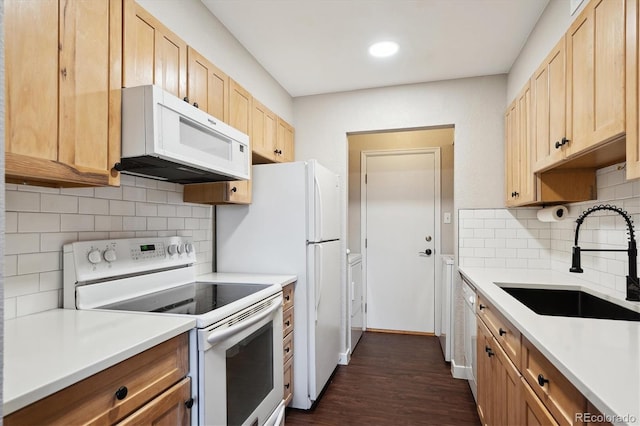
x=249, y=374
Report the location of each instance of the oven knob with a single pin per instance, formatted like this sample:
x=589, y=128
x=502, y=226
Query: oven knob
x=188, y=247
x=180, y=248
x=172, y=249
x=110, y=255
x=95, y=256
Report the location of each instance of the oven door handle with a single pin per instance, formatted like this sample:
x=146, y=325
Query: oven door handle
x=217, y=336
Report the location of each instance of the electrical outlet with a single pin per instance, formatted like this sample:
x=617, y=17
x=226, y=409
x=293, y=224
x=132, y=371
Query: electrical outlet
x=447, y=217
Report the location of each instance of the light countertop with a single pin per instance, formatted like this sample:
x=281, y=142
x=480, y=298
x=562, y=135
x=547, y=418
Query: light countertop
x=48, y=351
x=601, y=358
x=240, y=278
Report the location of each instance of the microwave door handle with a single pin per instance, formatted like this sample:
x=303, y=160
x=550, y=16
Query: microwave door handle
x=216, y=336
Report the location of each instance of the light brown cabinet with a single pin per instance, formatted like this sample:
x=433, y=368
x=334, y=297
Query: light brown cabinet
x=596, y=76
x=285, y=141
x=287, y=341
x=519, y=177
x=264, y=133
x=63, y=79
x=534, y=413
x=150, y=385
x=633, y=90
x=152, y=53
x=208, y=86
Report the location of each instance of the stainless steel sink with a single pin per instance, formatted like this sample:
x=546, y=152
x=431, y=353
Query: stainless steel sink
x=569, y=303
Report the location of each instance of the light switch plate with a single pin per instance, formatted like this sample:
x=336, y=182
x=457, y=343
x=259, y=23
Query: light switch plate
x=447, y=217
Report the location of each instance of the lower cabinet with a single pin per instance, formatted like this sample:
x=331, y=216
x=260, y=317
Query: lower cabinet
x=517, y=385
x=287, y=341
x=148, y=388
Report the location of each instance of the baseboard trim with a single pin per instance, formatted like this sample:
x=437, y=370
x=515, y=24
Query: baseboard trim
x=345, y=357
x=413, y=333
x=460, y=371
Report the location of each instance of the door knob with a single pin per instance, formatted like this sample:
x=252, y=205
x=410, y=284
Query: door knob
x=428, y=252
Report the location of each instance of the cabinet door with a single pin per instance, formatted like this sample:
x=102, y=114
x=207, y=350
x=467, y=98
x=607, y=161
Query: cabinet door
x=152, y=53
x=63, y=91
x=548, y=107
x=633, y=90
x=526, y=182
x=596, y=75
x=511, y=154
x=208, y=87
x=506, y=389
x=534, y=413
x=169, y=408
x=285, y=141
x=90, y=81
x=240, y=101
x=263, y=134
x=485, y=374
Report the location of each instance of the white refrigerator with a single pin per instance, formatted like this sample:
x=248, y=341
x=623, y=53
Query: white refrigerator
x=292, y=226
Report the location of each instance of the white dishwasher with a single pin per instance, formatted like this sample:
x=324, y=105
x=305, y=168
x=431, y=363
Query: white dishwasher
x=470, y=334
x=356, y=298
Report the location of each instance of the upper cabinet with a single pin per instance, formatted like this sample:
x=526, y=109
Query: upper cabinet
x=63, y=80
x=633, y=89
x=264, y=134
x=208, y=87
x=596, y=76
x=152, y=53
x=285, y=142
x=519, y=177
x=549, y=116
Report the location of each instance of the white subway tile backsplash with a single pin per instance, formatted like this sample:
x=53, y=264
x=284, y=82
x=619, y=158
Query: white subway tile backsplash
x=23, y=201
x=22, y=243
x=54, y=203
x=39, y=221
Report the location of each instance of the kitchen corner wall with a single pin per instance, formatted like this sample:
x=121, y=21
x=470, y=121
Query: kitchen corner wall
x=515, y=238
x=39, y=221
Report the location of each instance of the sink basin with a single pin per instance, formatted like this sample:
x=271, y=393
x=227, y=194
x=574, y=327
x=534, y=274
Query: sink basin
x=570, y=303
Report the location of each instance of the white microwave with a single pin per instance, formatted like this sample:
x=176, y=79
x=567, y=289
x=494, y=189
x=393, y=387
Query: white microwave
x=166, y=138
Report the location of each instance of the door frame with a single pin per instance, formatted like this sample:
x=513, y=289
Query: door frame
x=437, y=247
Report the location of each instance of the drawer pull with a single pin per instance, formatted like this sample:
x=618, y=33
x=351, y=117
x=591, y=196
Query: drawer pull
x=121, y=393
x=481, y=306
x=287, y=297
x=287, y=349
x=542, y=380
x=489, y=352
x=189, y=403
x=287, y=386
x=502, y=332
x=287, y=323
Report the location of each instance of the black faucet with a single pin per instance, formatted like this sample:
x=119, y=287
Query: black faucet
x=633, y=285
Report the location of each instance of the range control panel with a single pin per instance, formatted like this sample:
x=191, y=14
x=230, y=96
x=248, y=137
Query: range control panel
x=94, y=260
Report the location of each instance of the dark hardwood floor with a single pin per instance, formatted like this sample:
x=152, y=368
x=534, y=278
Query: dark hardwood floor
x=392, y=379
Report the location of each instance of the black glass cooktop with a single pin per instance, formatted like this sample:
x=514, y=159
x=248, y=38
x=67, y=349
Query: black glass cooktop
x=192, y=299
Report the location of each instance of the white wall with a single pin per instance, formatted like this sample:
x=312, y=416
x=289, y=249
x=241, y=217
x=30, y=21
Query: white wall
x=199, y=28
x=553, y=23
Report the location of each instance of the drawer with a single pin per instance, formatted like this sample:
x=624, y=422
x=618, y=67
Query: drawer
x=170, y=407
x=94, y=399
x=288, y=381
x=507, y=335
x=287, y=346
x=287, y=296
x=287, y=321
x=534, y=412
x=561, y=398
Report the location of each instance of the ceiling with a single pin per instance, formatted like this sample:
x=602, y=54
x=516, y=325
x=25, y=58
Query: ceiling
x=320, y=46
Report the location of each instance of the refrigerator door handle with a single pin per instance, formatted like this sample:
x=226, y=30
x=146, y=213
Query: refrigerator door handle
x=318, y=213
x=318, y=276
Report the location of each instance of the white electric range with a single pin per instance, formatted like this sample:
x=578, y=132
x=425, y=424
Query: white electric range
x=236, y=348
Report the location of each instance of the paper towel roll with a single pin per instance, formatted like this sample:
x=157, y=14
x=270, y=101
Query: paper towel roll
x=552, y=214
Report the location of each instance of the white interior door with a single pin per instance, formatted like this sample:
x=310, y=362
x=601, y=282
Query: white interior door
x=402, y=202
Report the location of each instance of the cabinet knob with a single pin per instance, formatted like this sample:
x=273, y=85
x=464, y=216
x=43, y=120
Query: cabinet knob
x=481, y=306
x=287, y=297
x=287, y=350
x=189, y=403
x=489, y=352
x=502, y=332
x=234, y=189
x=287, y=323
x=542, y=380
x=121, y=393
x=186, y=99
x=564, y=141
x=195, y=104
x=558, y=144
x=287, y=386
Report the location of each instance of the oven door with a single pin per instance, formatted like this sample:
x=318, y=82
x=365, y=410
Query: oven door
x=240, y=366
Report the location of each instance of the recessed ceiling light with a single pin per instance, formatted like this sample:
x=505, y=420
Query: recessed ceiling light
x=383, y=49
